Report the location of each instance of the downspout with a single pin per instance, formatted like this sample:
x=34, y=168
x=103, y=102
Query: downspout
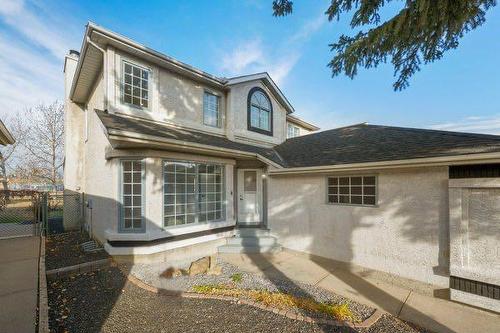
x=105, y=70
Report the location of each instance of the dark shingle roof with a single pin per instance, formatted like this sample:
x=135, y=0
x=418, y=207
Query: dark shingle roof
x=372, y=143
x=353, y=144
x=116, y=122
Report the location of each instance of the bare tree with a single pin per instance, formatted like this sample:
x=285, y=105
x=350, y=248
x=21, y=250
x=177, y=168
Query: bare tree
x=8, y=153
x=44, y=141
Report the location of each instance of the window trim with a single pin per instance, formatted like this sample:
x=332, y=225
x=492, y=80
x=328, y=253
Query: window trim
x=122, y=85
x=121, y=213
x=196, y=192
x=295, y=128
x=249, y=105
x=351, y=204
x=219, y=116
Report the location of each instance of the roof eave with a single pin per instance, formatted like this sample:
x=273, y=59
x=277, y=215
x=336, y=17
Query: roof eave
x=6, y=137
x=266, y=78
x=115, y=135
x=302, y=123
x=160, y=57
x=407, y=163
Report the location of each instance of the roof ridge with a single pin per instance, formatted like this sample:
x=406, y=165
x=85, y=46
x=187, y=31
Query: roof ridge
x=325, y=131
x=443, y=132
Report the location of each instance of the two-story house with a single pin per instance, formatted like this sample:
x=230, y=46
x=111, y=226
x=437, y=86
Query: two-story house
x=175, y=162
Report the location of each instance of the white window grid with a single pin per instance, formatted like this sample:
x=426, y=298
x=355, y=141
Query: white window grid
x=259, y=113
x=210, y=196
x=211, y=114
x=132, y=195
x=352, y=190
x=135, y=82
x=193, y=193
x=293, y=131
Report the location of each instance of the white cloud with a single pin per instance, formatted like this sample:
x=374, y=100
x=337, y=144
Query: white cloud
x=280, y=70
x=309, y=28
x=251, y=56
x=246, y=54
x=32, y=50
x=472, y=124
x=48, y=35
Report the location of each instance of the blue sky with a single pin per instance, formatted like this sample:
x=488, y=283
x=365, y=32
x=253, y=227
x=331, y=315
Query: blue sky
x=231, y=37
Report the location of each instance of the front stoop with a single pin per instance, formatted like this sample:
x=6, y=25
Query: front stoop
x=251, y=240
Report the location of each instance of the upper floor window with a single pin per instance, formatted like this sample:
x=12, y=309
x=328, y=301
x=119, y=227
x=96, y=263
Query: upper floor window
x=211, y=113
x=293, y=131
x=135, y=85
x=260, y=112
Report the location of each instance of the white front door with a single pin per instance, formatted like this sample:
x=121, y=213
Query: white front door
x=249, y=196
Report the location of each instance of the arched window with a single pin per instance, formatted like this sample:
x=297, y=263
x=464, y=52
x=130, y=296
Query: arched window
x=260, y=112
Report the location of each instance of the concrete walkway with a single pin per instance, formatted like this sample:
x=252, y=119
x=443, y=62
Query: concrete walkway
x=367, y=287
x=18, y=284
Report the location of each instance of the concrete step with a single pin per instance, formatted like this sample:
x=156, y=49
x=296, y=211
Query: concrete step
x=249, y=249
x=249, y=232
x=252, y=241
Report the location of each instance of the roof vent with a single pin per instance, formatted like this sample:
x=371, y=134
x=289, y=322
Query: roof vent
x=74, y=52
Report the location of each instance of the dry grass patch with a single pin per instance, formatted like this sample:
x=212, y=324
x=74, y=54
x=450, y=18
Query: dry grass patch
x=280, y=300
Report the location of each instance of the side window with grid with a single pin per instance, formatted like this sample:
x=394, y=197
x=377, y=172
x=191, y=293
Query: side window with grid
x=193, y=193
x=132, y=208
x=135, y=85
x=359, y=190
x=210, y=192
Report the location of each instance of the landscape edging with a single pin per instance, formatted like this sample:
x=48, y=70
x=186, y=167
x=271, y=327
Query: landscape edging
x=43, y=303
x=287, y=313
x=80, y=268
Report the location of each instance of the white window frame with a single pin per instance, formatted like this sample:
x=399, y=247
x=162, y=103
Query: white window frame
x=121, y=214
x=350, y=194
x=197, y=221
x=122, y=85
x=218, y=113
x=294, y=129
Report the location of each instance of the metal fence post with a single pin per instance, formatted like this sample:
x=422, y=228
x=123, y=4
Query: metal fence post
x=45, y=210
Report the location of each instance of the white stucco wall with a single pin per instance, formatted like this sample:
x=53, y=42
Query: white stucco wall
x=406, y=234
x=74, y=122
x=237, y=120
x=302, y=130
x=178, y=100
x=173, y=99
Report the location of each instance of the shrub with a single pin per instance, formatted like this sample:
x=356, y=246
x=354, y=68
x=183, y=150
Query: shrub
x=237, y=277
x=279, y=300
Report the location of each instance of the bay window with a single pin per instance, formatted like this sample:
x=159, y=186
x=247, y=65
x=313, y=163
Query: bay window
x=193, y=193
x=132, y=195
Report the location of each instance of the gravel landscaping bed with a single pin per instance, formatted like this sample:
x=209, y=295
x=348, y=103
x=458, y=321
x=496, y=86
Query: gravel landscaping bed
x=150, y=273
x=103, y=301
x=64, y=250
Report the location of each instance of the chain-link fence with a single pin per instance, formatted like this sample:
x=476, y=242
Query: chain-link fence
x=20, y=213
x=32, y=213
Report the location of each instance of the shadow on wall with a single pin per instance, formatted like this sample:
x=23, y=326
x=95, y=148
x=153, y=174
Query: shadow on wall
x=101, y=215
x=303, y=220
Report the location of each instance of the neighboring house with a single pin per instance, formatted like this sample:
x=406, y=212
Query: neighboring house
x=177, y=163
x=6, y=137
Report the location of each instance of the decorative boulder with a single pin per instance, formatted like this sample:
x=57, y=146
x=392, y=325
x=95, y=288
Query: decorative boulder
x=199, y=266
x=215, y=270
